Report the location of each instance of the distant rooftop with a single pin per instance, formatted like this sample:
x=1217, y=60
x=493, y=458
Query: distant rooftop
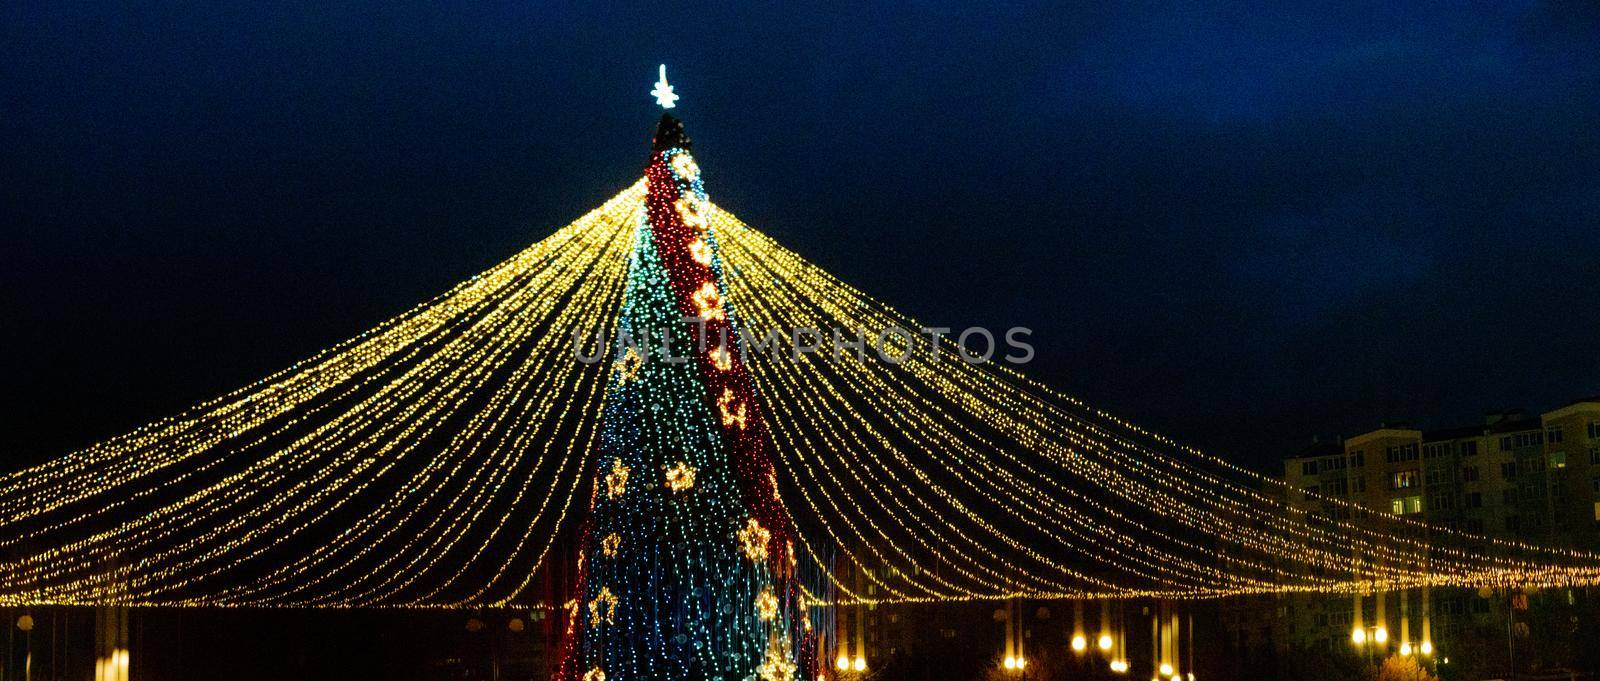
x=1319, y=447
x=1494, y=422
x=1453, y=433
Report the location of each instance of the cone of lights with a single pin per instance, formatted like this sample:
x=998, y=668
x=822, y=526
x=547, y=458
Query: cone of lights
x=451, y=456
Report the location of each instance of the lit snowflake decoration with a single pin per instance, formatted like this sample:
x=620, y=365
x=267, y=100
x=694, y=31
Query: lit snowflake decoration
x=603, y=608
x=754, y=538
x=767, y=605
x=693, y=212
x=628, y=367
x=610, y=544
x=708, y=303
x=731, y=416
x=700, y=251
x=721, y=358
x=777, y=666
x=617, y=479
x=680, y=477
x=685, y=167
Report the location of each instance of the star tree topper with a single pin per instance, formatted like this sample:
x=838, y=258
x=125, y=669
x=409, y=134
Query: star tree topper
x=663, y=92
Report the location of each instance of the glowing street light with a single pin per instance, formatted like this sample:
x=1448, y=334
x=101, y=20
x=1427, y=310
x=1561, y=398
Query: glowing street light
x=1079, y=643
x=1358, y=636
x=1105, y=643
x=1380, y=635
x=860, y=664
x=842, y=664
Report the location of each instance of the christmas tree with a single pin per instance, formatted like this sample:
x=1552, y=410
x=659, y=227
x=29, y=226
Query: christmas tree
x=688, y=566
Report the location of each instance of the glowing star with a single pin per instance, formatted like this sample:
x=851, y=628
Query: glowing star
x=680, y=477
x=663, y=92
x=700, y=251
x=767, y=605
x=628, y=367
x=595, y=674
x=708, y=302
x=777, y=666
x=610, y=544
x=754, y=538
x=730, y=416
x=617, y=479
x=684, y=165
x=721, y=358
x=603, y=608
x=693, y=212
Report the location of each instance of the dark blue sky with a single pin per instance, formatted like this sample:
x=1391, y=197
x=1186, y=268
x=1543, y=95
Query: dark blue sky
x=1239, y=224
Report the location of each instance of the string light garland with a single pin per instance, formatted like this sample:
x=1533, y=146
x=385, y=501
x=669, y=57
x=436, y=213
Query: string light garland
x=436, y=459
x=776, y=287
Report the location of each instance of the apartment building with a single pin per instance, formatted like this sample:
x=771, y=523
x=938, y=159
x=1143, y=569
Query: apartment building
x=1516, y=475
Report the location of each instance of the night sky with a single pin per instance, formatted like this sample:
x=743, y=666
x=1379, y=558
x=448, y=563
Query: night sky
x=1239, y=225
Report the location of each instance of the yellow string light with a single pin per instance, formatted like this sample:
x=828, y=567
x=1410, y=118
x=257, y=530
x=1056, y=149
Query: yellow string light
x=930, y=480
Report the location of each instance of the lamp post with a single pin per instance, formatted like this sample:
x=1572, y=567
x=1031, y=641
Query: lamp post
x=1369, y=638
x=25, y=623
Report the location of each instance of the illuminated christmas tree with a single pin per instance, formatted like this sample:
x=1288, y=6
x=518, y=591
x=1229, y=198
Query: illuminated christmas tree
x=688, y=564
